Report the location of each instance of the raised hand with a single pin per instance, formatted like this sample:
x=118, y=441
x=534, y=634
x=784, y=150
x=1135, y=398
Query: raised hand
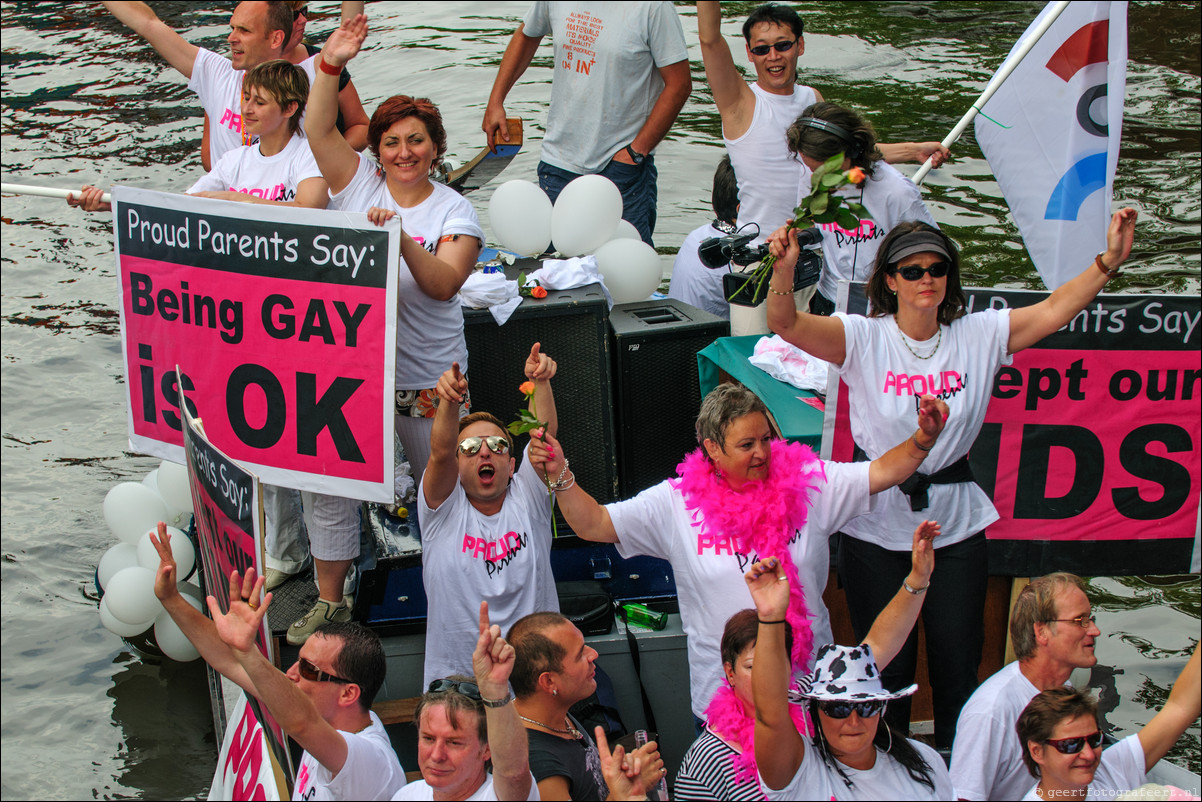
x=539, y=366
x=935, y=151
x=932, y=415
x=545, y=453
x=769, y=588
x=452, y=386
x=492, y=660
x=166, y=582
x=923, y=551
x=239, y=628
x=1120, y=236
x=622, y=774
x=344, y=43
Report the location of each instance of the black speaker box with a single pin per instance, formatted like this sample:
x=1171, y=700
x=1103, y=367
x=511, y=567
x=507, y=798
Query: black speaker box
x=571, y=325
x=656, y=392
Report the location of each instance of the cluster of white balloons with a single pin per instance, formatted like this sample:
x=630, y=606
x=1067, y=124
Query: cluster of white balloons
x=128, y=606
x=587, y=218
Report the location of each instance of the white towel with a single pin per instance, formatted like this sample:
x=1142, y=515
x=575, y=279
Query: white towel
x=492, y=291
x=790, y=364
x=567, y=274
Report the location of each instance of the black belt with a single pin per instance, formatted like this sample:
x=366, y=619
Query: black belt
x=916, y=486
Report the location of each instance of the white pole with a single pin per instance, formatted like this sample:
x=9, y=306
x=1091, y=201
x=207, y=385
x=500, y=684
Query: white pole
x=995, y=83
x=46, y=192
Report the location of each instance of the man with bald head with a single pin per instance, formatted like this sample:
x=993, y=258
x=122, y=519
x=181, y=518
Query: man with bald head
x=1053, y=631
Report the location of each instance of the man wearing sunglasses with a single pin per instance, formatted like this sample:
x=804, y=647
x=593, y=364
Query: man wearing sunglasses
x=756, y=116
x=1053, y=631
x=1061, y=740
x=486, y=528
x=324, y=700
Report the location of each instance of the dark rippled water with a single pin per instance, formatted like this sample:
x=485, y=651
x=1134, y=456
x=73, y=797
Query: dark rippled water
x=84, y=100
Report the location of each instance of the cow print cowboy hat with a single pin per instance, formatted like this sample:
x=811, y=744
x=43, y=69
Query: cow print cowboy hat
x=848, y=674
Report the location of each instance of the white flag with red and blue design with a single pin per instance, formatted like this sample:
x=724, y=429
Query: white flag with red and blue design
x=1051, y=135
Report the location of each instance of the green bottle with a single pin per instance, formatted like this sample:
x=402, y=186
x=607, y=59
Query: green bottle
x=644, y=617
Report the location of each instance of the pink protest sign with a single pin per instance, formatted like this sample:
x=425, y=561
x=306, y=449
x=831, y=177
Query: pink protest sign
x=1090, y=445
x=283, y=323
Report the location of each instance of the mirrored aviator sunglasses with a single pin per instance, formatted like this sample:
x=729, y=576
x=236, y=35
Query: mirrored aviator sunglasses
x=834, y=709
x=914, y=272
x=496, y=443
x=780, y=47
x=1073, y=746
x=468, y=689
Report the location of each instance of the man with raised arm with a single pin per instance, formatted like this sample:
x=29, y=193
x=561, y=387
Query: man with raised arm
x=486, y=528
x=1053, y=631
x=323, y=702
x=462, y=725
x=756, y=116
x=621, y=75
x=259, y=32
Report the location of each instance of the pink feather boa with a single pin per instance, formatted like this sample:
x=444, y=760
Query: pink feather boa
x=730, y=719
x=761, y=518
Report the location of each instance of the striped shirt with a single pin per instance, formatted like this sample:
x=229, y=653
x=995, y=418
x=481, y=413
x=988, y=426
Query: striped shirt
x=708, y=772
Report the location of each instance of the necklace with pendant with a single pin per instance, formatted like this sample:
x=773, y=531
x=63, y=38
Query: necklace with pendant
x=570, y=731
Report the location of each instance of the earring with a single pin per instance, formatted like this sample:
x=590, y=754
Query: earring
x=554, y=692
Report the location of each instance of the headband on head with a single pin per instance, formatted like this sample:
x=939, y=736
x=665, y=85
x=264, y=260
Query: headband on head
x=916, y=242
x=819, y=124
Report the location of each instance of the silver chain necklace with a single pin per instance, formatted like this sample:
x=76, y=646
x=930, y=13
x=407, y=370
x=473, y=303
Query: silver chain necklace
x=906, y=342
x=570, y=731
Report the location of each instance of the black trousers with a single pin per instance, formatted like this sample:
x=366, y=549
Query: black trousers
x=952, y=616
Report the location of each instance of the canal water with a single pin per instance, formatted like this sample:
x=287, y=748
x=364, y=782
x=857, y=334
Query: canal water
x=83, y=100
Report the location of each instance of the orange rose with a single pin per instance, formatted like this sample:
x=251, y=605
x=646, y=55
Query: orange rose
x=539, y=292
x=527, y=388
x=855, y=175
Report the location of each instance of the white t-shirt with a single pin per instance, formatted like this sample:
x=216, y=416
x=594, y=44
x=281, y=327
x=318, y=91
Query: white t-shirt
x=693, y=282
x=429, y=333
x=771, y=179
x=606, y=75
x=420, y=791
x=469, y=557
x=371, y=770
x=890, y=198
x=1122, y=769
x=887, y=779
x=709, y=573
x=885, y=379
x=219, y=87
x=987, y=758
x=275, y=178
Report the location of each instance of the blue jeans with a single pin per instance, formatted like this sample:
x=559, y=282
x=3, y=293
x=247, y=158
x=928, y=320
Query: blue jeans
x=636, y=182
x=952, y=617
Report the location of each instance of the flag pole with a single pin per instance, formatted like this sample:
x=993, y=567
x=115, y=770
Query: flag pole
x=995, y=83
x=45, y=192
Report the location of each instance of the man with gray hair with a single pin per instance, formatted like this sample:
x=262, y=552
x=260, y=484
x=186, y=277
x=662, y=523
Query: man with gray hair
x=1053, y=631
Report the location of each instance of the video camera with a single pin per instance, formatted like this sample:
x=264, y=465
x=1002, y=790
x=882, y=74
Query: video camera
x=719, y=252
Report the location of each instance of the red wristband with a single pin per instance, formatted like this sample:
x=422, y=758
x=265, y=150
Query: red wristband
x=327, y=68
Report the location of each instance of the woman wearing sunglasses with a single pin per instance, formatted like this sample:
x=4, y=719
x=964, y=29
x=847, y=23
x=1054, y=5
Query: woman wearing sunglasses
x=1062, y=741
x=917, y=339
x=852, y=752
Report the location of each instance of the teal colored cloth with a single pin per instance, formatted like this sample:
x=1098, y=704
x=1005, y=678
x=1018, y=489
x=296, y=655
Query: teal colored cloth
x=798, y=421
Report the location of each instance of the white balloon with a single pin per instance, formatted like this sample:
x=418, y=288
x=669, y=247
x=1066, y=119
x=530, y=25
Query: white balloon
x=631, y=269
x=173, y=486
x=151, y=480
x=119, y=627
x=520, y=215
x=131, y=508
x=626, y=230
x=116, y=558
x=130, y=595
x=171, y=639
x=586, y=214
x=181, y=549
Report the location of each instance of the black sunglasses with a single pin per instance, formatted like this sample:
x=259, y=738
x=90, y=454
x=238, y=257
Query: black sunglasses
x=781, y=47
x=914, y=272
x=468, y=689
x=497, y=444
x=314, y=674
x=834, y=709
x=1072, y=746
